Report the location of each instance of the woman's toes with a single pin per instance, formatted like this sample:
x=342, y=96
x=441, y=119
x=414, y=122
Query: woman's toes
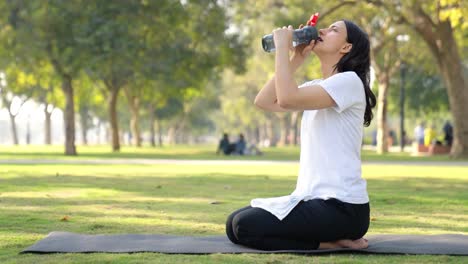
x=361, y=243
x=354, y=244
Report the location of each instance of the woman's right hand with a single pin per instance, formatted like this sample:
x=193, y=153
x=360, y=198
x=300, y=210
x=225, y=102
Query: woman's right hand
x=301, y=52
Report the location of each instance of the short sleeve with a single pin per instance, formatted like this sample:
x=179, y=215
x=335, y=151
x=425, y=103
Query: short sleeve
x=309, y=83
x=346, y=89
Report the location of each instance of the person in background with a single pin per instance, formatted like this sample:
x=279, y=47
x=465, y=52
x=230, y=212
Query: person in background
x=448, y=133
x=419, y=133
x=240, y=145
x=429, y=135
x=224, y=146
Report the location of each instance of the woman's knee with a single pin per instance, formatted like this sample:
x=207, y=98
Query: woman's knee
x=231, y=234
x=249, y=223
x=242, y=228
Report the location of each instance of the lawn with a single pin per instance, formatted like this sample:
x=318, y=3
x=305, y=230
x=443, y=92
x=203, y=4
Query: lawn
x=175, y=199
x=204, y=152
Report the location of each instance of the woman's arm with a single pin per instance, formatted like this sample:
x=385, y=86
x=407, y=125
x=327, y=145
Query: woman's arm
x=293, y=98
x=266, y=99
x=289, y=96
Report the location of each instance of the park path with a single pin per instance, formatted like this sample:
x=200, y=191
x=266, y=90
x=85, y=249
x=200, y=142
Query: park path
x=212, y=162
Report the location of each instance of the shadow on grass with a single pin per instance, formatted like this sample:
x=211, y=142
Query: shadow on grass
x=214, y=185
x=186, y=200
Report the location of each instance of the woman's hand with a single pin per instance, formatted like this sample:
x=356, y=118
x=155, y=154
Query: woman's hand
x=283, y=37
x=301, y=52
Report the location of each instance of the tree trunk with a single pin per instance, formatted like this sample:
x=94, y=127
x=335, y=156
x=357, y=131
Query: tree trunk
x=151, y=125
x=452, y=71
x=135, y=121
x=284, y=130
x=257, y=138
x=28, y=131
x=158, y=123
x=47, y=126
x=114, y=92
x=171, y=134
x=293, y=128
x=69, y=116
x=84, y=125
x=180, y=129
x=98, y=132
x=14, y=132
x=107, y=133
x=382, y=129
x=134, y=105
x=270, y=133
x=262, y=134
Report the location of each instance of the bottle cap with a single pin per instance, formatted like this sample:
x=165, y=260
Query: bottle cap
x=313, y=20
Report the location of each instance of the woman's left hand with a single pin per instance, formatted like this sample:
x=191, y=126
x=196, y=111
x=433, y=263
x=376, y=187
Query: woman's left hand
x=283, y=37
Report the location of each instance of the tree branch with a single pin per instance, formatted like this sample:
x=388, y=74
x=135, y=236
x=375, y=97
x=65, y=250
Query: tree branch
x=394, y=67
x=422, y=14
x=438, y=11
x=421, y=20
x=391, y=8
x=57, y=66
x=336, y=7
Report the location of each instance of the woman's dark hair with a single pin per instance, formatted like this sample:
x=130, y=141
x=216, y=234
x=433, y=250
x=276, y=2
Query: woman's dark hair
x=358, y=60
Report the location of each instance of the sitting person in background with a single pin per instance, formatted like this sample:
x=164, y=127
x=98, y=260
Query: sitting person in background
x=225, y=146
x=240, y=145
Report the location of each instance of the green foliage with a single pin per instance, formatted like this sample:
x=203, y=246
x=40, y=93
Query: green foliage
x=425, y=93
x=199, y=62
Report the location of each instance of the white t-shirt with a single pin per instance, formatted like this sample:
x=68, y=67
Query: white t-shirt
x=331, y=138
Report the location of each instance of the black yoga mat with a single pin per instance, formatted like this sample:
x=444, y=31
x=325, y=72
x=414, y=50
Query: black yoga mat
x=64, y=242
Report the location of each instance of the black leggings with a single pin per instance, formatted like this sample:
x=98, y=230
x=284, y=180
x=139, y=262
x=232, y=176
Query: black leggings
x=308, y=224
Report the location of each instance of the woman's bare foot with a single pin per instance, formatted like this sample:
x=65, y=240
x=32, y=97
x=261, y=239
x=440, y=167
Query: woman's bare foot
x=360, y=243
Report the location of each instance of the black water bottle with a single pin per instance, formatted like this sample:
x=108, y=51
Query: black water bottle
x=300, y=36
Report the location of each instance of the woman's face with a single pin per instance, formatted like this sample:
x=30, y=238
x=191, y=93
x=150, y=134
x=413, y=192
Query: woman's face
x=333, y=39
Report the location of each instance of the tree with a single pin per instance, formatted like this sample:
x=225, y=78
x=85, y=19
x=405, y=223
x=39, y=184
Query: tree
x=16, y=89
x=441, y=32
x=87, y=100
x=21, y=51
x=46, y=91
x=51, y=31
x=426, y=93
x=184, y=61
x=385, y=61
x=113, y=47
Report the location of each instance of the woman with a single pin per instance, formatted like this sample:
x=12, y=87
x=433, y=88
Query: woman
x=329, y=207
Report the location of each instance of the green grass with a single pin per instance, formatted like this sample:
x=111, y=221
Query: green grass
x=175, y=199
x=205, y=152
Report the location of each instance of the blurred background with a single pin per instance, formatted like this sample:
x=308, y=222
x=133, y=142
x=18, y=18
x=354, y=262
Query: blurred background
x=165, y=72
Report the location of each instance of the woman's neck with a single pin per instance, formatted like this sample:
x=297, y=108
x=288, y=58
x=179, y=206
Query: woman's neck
x=327, y=70
x=328, y=66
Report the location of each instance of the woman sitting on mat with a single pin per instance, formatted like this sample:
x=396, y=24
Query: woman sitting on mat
x=330, y=206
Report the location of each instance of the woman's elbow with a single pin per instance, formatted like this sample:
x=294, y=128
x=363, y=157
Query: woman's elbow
x=256, y=100
x=258, y=103
x=285, y=104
